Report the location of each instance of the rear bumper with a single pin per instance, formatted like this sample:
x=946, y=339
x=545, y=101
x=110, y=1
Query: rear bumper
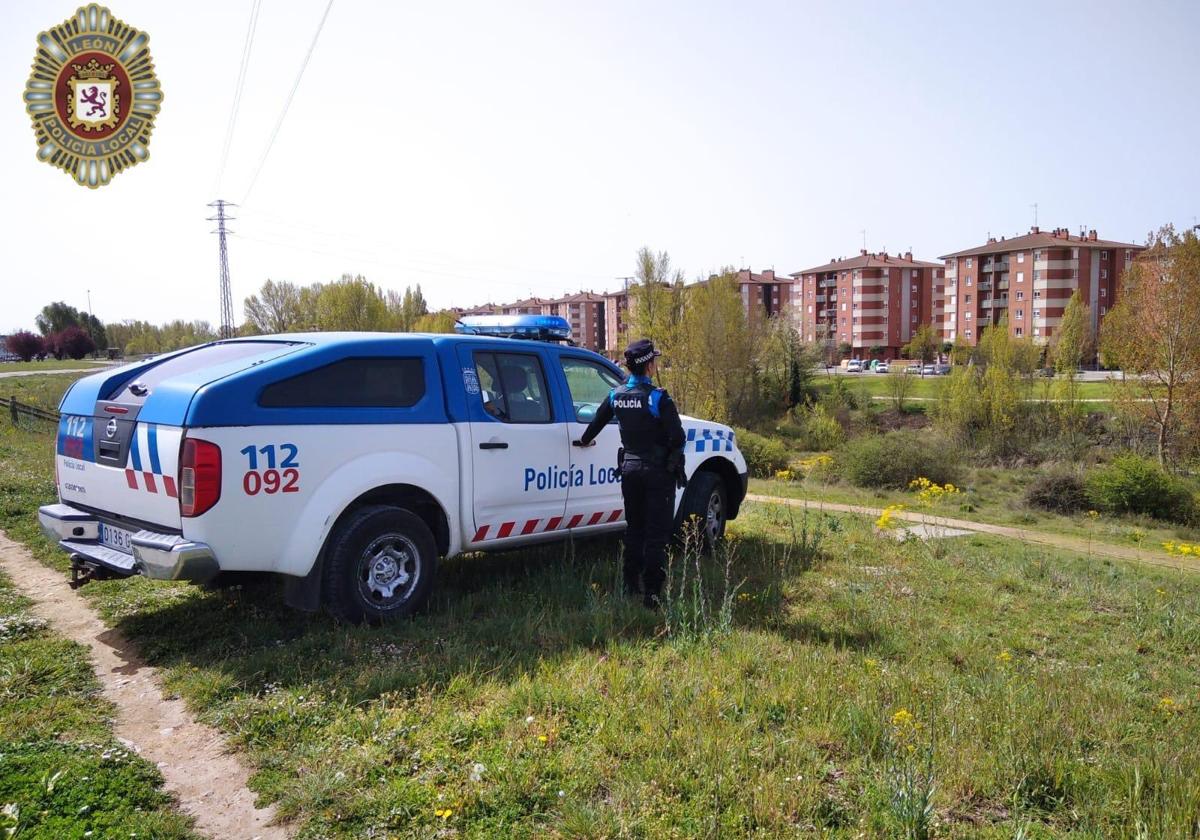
x=155, y=555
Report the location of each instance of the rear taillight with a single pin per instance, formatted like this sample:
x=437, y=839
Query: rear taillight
x=199, y=477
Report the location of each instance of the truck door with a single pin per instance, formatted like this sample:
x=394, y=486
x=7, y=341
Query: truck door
x=519, y=449
x=594, y=500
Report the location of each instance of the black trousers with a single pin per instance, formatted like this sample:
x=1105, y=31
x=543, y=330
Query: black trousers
x=649, y=494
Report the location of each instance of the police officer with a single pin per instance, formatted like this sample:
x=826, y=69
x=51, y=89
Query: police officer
x=651, y=465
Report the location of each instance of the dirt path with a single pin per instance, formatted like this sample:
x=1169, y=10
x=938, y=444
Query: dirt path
x=1148, y=556
x=209, y=782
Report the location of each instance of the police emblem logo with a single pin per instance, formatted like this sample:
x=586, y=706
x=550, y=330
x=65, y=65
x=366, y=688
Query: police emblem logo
x=93, y=96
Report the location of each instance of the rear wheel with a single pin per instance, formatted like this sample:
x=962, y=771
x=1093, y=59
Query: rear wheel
x=380, y=565
x=705, y=504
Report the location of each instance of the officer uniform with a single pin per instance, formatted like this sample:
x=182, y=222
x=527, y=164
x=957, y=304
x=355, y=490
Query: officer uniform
x=650, y=463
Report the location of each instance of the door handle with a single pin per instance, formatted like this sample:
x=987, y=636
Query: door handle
x=493, y=444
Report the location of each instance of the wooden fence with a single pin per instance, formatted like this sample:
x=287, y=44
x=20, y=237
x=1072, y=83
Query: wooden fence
x=19, y=410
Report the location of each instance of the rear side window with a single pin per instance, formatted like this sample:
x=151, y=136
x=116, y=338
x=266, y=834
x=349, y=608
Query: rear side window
x=212, y=355
x=351, y=383
x=513, y=387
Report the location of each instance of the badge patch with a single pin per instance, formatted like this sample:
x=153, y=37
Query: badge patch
x=93, y=96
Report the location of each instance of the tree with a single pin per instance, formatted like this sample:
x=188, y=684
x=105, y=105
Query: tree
x=655, y=300
x=56, y=317
x=407, y=310
x=75, y=342
x=924, y=345
x=352, y=304
x=1073, y=342
x=899, y=384
x=25, y=345
x=712, y=364
x=275, y=309
x=845, y=349
x=1153, y=334
x=436, y=322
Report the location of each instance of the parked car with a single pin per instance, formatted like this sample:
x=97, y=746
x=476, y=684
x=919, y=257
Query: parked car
x=854, y=366
x=883, y=367
x=349, y=463
x=941, y=369
x=929, y=370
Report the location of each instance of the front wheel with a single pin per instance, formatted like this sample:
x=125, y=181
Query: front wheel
x=380, y=565
x=704, y=502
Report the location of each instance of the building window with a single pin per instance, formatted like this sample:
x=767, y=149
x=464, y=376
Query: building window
x=968, y=262
x=1103, y=309
x=968, y=316
x=1020, y=256
x=810, y=309
x=1074, y=253
x=1037, y=331
x=967, y=333
x=1104, y=274
x=1037, y=313
x=1020, y=316
x=1020, y=296
x=914, y=288
x=1104, y=255
x=1020, y=331
x=1103, y=292
x=843, y=306
x=967, y=299
x=1020, y=276
x=1036, y=294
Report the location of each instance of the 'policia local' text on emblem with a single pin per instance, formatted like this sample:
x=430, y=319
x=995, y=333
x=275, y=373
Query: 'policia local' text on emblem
x=93, y=96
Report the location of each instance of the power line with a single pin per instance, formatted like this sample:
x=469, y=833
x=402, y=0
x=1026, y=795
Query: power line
x=247, y=46
x=288, y=103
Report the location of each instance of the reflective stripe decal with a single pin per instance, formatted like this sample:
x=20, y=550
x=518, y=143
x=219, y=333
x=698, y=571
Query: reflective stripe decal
x=504, y=530
x=169, y=486
x=150, y=486
x=152, y=445
x=131, y=479
x=135, y=452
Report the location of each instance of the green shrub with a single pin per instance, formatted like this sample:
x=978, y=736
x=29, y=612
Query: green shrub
x=821, y=431
x=764, y=456
x=1058, y=491
x=895, y=459
x=1133, y=484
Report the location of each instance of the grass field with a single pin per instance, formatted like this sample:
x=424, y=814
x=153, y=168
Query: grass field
x=62, y=773
x=928, y=387
x=862, y=687
x=994, y=495
x=52, y=364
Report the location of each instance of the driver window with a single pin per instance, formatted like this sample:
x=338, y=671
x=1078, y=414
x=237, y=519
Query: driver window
x=512, y=387
x=589, y=384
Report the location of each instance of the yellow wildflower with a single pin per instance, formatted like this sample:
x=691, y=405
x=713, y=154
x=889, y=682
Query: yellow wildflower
x=1092, y=514
x=542, y=739
x=444, y=813
x=1167, y=705
x=902, y=718
x=1169, y=547
x=885, y=519
x=1004, y=656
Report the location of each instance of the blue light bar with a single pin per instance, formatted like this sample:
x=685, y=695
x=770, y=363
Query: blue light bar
x=541, y=327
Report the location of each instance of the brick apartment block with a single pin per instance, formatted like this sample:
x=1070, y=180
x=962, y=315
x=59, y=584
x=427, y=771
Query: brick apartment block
x=1030, y=278
x=872, y=300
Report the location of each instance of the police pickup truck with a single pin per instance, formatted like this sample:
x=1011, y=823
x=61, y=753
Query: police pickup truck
x=350, y=462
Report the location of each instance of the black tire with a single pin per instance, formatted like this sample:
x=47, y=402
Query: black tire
x=705, y=501
x=379, y=565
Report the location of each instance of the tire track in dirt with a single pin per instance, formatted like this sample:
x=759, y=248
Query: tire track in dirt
x=208, y=780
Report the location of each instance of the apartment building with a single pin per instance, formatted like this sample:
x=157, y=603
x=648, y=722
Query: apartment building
x=764, y=295
x=585, y=312
x=868, y=301
x=1030, y=279
x=616, y=319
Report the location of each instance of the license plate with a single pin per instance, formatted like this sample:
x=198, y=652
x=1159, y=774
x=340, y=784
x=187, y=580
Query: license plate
x=117, y=538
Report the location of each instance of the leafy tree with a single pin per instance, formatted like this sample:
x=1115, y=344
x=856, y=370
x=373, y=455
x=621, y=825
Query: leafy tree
x=655, y=300
x=712, y=362
x=352, y=304
x=436, y=322
x=785, y=364
x=141, y=337
x=1153, y=333
x=961, y=352
x=275, y=309
x=845, y=349
x=407, y=310
x=25, y=345
x=924, y=345
x=899, y=386
x=56, y=317
x=1073, y=342
x=75, y=342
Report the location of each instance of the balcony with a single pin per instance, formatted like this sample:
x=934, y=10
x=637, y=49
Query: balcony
x=985, y=285
x=821, y=298
x=1000, y=265
x=827, y=283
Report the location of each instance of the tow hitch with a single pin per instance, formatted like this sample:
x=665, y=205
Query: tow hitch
x=84, y=571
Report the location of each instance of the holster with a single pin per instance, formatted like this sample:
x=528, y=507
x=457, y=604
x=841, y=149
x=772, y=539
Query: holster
x=620, y=457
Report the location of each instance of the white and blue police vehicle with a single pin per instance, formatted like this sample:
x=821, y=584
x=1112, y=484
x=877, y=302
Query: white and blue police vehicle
x=349, y=463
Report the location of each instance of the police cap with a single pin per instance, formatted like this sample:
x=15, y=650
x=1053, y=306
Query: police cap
x=640, y=352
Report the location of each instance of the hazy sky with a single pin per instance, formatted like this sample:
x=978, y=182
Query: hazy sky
x=492, y=150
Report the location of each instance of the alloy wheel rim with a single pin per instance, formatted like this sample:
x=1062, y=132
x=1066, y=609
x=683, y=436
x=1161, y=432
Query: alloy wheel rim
x=388, y=571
